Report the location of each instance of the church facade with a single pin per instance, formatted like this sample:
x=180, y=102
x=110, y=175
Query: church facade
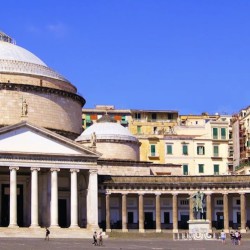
x=54, y=175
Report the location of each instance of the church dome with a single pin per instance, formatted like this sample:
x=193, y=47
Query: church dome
x=112, y=140
x=31, y=91
x=15, y=59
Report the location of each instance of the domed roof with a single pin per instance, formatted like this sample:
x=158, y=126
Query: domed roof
x=106, y=128
x=15, y=59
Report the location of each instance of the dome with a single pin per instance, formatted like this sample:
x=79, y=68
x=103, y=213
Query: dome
x=111, y=139
x=15, y=59
x=106, y=128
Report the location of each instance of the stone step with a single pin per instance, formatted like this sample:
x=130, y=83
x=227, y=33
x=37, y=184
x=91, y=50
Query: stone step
x=24, y=232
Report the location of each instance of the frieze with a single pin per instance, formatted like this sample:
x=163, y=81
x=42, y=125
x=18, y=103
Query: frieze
x=33, y=88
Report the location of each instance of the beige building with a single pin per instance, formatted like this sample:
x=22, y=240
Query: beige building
x=54, y=175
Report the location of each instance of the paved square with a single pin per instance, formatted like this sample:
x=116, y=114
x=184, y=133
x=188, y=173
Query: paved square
x=116, y=244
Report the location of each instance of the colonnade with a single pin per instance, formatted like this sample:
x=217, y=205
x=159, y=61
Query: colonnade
x=157, y=208
x=92, y=196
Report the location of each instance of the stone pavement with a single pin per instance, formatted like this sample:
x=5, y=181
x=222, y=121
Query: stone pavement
x=116, y=244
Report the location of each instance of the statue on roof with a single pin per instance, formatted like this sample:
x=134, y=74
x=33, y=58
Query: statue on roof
x=93, y=139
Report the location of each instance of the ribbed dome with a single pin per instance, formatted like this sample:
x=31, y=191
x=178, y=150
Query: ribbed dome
x=107, y=128
x=9, y=51
x=15, y=59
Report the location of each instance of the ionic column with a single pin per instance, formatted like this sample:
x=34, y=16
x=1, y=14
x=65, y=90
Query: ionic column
x=209, y=210
x=191, y=208
x=13, y=197
x=141, y=214
x=124, y=213
x=225, y=211
x=92, y=201
x=243, y=212
x=54, y=198
x=74, y=199
x=108, y=228
x=34, y=197
x=175, y=214
x=158, y=212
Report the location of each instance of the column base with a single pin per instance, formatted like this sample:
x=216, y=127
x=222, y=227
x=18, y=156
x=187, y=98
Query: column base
x=13, y=226
x=74, y=226
x=54, y=226
x=93, y=227
x=108, y=230
x=243, y=230
x=141, y=230
x=34, y=226
x=158, y=230
x=124, y=230
x=226, y=231
x=175, y=230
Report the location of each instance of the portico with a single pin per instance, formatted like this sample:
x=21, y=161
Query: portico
x=160, y=204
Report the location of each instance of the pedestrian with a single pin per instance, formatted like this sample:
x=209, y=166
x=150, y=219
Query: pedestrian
x=95, y=238
x=232, y=237
x=239, y=238
x=223, y=237
x=47, y=233
x=236, y=237
x=100, y=241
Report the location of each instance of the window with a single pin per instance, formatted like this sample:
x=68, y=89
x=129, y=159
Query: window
x=170, y=116
x=201, y=168
x=138, y=129
x=169, y=150
x=137, y=116
x=223, y=133
x=248, y=144
x=184, y=202
x=152, y=150
x=238, y=202
x=216, y=169
x=185, y=149
x=200, y=150
x=215, y=133
x=216, y=150
x=185, y=169
x=219, y=202
x=153, y=116
x=154, y=130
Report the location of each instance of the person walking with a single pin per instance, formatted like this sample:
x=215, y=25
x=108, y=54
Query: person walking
x=223, y=237
x=47, y=233
x=100, y=240
x=95, y=238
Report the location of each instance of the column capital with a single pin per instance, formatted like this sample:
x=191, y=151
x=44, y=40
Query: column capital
x=241, y=192
x=174, y=194
x=124, y=194
x=158, y=194
x=34, y=168
x=73, y=170
x=140, y=194
x=13, y=168
x=93, y=171
x=107, y=193
x=55, y=169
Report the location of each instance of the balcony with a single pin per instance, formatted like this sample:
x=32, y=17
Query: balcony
x=153, y=156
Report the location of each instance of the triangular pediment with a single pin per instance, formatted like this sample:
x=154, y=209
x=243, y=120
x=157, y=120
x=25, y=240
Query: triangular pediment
x=28, y=138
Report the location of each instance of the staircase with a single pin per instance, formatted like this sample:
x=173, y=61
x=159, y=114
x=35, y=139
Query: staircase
x=25, y=232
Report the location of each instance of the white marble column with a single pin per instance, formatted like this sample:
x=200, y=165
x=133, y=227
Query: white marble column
x=13, y=197
x=74, y=199
x=141, y=214
x=158, y=212
x=243, y=213
x=175, y=213
x=124, y=213
x=209, y=210
x=107, y=198
x=225, y=212
x=54, y=198
x=92, y=201
x=34, y=197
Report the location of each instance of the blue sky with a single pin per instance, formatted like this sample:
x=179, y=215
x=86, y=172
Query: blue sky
x=190, y=56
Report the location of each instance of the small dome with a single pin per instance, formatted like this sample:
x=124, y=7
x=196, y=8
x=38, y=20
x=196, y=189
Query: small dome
x=107, y=130
x=111, y=139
